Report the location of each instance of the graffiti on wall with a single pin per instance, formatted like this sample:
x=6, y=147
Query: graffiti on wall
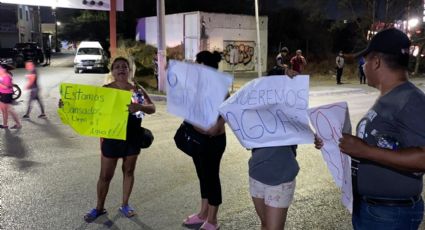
x=239, y=55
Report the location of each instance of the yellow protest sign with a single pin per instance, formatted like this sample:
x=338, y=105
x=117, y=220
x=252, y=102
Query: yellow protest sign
x=95, y=111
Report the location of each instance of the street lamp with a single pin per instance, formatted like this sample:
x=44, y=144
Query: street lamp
x=412, y=23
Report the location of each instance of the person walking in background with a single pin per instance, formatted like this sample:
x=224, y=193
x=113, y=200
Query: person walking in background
x=48, y=54
x=388, y=153
x=339, y=67
x=361, y=71
x=112, y=150
x=6, y=93
x=32, y=86
x=298, y=62
x=206, y=158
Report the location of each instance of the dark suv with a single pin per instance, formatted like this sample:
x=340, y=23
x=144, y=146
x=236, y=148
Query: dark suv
x=28, y=51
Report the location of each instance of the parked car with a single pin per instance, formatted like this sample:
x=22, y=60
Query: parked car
x=7, y=56
x=28, y=51
x=90, y=56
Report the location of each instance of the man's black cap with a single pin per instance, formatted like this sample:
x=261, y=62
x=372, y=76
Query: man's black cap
x=284, y=49
x=388, y=41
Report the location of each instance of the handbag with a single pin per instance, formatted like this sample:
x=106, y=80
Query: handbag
x=146, y=138
x=188, y=140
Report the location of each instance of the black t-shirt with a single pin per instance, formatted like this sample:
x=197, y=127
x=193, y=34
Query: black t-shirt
x=396, y=120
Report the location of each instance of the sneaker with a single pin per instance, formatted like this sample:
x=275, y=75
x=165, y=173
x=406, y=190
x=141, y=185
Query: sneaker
x=26, y=116
x=4, y=127
x=42, y=116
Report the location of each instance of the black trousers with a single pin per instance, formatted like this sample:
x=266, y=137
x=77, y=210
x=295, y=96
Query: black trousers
x=207, y=163
x=338, y=75
x=362, y=76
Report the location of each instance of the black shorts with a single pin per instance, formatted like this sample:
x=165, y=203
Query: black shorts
x=112, y=148
x=6, y=98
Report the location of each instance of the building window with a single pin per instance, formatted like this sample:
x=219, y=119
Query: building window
x=26, y=15
x=20, y=13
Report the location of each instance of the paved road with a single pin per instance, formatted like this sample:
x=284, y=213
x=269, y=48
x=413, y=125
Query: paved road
x=48, y=173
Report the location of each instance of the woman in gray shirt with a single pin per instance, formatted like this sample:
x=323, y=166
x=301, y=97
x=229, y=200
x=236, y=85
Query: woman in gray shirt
x=272, y=172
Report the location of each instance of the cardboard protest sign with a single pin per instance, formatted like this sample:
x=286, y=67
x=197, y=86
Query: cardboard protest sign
x=194, y=92
x=270, y=111
x=95, y=111
x=330, y=121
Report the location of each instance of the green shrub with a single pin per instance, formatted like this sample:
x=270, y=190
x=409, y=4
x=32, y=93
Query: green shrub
x=140, y=53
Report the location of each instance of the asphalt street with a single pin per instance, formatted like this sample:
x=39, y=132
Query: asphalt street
x=48, y=173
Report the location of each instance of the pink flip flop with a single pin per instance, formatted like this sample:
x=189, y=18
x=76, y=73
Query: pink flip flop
x=193, y=220
x=208, y=226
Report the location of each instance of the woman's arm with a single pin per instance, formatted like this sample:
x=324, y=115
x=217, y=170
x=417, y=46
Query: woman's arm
x=31, y=79
x=6, y=82
x=147, y=107
x=3, y=86
x=217, y=128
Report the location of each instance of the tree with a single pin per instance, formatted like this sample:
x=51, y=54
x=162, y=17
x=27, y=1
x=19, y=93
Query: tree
x=360, y=14
x=90, y=25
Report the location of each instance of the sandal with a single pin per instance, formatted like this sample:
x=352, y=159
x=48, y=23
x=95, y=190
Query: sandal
x=93, y=214
x=16, y=127
x=4, y=127
x=127, y=211
x=208, y=226
x=193, y=219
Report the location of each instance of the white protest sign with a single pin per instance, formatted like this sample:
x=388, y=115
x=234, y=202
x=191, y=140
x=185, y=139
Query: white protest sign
x=270, y=111
x=330, y=121
x=194, y=92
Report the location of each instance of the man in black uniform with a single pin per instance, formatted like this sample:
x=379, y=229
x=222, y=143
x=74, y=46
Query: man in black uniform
x=388, y=154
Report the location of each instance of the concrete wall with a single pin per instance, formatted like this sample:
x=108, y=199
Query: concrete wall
x=8, y=40
x=147, y=30
x=229, y=31
x=214, y=32
x=24, y=24
x=19, y=23
x=8, y=25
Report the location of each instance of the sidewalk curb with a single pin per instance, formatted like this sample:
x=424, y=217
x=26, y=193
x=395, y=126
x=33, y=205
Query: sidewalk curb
x=336, y=92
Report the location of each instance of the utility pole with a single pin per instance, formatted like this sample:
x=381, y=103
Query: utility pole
x=386, y=11
x=373, y=13
x=54, y=13
x=113, y=28
x=160, y=10
x=257, y=19
x=56, y=35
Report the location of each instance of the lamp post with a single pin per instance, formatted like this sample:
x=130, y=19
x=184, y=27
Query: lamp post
x=56, y=29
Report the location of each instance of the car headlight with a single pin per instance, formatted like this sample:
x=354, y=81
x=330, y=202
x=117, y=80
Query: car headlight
x=98, y=61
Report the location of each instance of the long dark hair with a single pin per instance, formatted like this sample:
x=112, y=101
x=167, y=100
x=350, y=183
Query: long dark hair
x=207, y=58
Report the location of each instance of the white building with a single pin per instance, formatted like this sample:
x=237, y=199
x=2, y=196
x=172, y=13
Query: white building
x=19, y=23
x=233, y=35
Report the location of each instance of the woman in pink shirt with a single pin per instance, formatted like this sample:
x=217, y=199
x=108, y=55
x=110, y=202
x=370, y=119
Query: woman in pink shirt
x=6, y=99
